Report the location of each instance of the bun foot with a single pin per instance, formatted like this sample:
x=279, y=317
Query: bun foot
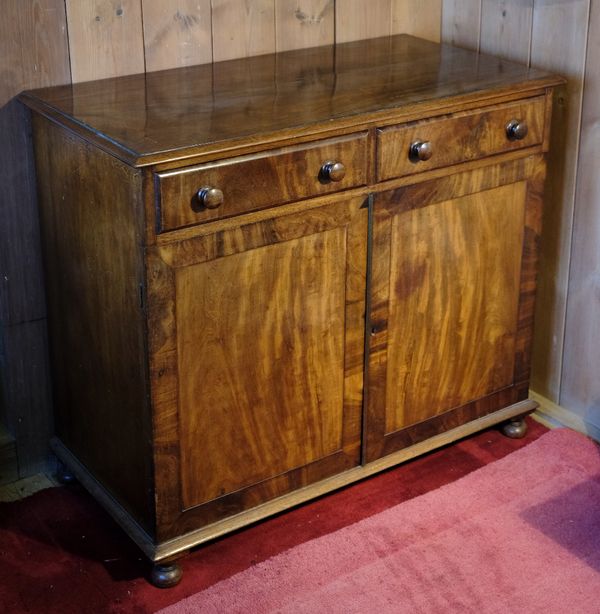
x=166, y=575
x=64, y=475
x=515, y=428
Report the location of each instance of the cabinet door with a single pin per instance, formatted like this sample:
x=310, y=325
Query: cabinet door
x=454, y=263
x=257, y=354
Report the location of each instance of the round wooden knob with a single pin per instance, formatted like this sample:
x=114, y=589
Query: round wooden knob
x=211, y=198
x=420, y=151
x=516, y=129
x=333, y=171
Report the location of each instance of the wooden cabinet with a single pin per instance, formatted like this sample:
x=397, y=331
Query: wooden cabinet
x=266, y=283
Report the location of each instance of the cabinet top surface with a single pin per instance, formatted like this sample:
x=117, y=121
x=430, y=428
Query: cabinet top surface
x=174, y=114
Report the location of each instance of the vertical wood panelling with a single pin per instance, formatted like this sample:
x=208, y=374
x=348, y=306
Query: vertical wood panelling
x=304, y=23
x=506, y=28
x=111, y=37
x=356, y=19
x=33, y=53
x=417, y=17
x=460, y=23
x=551, y=34
x=33, y=46
x=176, y=33
x=28, y=397
x=581, y=374
x=105, y=38
x=559, y=44
x=242, y=28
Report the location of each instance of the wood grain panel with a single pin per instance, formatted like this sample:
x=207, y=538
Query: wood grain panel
x=304, y=23
x=506, y=28
x=357, y=19
x=267, y=259
x=558, y=43
x=465, y=136
x=580, y=390
x=261, y=378
x=417, y=17
x=250, y=183
x=176, y=33
x=242, y=28
x=461, y=20
x=105, y=38
x=491, y=218
x=92, y=233
x=455, y=267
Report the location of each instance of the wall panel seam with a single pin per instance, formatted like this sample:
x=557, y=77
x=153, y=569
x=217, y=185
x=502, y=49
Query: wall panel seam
x=143, y=34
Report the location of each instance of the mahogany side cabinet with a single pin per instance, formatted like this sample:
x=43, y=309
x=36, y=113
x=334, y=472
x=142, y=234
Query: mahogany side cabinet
x=268, y=278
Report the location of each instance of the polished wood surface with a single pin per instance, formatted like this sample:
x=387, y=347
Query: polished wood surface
x=93, y=260
x=180, y=112
x=307, y=311
x=266, y=355
x=257, y=382
x=464, y=136
x=451, y=306
x=253, y=182
x=452, y=320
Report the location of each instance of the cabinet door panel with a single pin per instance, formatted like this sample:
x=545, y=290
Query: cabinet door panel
x=262, y=330
x=453, y=270
x=261, y=379
x=453, y=311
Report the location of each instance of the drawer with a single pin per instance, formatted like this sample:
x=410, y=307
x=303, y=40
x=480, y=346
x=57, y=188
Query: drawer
x=459, y=138
x=215, y=190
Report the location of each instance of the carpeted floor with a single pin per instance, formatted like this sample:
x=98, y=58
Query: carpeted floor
x=519, y=535
x=60, y=553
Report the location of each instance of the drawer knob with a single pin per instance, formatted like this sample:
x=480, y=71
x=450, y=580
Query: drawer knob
x=211, y=198
x=516, y=129
x=420, y=151
x=332, y=171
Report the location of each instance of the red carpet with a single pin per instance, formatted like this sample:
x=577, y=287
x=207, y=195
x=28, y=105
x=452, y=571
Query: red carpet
x=60, y=553
x=520, y=535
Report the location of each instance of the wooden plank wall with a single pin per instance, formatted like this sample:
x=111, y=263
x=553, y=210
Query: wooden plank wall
x=45, y=42
x=33, y=53
x=562, y=36
x=580, y=391
x=49, y=42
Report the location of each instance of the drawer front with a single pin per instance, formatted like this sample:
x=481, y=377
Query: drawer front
x=257, y=181
x=460, y=138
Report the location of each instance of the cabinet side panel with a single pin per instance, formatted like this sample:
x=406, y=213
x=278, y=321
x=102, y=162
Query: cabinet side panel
x=91, y=219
